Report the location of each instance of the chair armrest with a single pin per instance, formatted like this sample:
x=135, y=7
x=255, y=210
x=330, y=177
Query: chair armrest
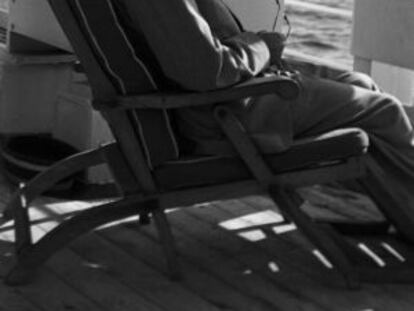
x=285, y=87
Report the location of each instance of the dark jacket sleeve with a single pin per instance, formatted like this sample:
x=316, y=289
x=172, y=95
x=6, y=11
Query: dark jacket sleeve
x=187, y=50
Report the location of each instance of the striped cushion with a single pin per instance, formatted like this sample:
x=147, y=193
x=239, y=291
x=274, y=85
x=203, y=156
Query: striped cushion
x=132, y=69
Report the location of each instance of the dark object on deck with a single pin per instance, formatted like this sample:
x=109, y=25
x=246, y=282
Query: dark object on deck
x=152, y=174
x=25, y=156
x=362, y=228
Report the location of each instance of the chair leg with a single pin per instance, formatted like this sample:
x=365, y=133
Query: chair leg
x=287, y=201
x=128, y=184
x=125, y=180
x=144, y=219
x=390, y=206
x=393, y=205
x=23, y=235
x=331, y=244
x=168, y=243
x=32, y=256
x=342, y=254
x=17, y=208
x=55, y=173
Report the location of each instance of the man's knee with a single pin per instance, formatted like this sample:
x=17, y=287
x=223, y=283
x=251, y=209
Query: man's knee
x=393, y=113
x=358, y=79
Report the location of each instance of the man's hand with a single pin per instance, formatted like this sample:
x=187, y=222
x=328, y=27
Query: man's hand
x=276, y=44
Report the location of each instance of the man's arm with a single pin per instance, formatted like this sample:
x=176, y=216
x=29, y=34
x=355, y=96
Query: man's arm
x=187, y=50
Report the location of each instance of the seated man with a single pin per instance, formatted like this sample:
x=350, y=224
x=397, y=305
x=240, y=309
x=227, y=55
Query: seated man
x=199, y=45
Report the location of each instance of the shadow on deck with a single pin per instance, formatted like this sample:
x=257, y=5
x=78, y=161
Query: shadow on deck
x=234, y=255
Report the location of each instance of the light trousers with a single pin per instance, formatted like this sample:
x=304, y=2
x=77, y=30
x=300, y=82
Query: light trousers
x=330, y=100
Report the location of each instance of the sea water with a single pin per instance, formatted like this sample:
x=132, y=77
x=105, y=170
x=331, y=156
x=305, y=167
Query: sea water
x=343, y=4
x=314, y=33
x=326, y=36
x=320, y=34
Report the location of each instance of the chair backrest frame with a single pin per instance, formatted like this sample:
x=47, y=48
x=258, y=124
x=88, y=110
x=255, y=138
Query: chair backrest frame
x=102, y=87
x=104, y=92
x=149, y=128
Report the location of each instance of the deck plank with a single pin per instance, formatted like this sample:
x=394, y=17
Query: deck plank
x=122, y=267
x=11, y=299
x=91, y=278
x=147, y=282
x=283, y=249
x=350, y=206
x=316, y=287
x=247, y=255
x=196, y=279
x=132, y=272
x=47, y=293
x=230, y=271
x=213, y=290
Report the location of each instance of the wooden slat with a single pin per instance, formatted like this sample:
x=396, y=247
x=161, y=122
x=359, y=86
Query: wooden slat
x=316, y=287
x=196, y=279
x=125, y=266
x=146, y=281
x=386, y=294
x=51, y=293
x=93, y=280
x=11, y=299
x=228, y=270
x=289, y=252
x=283, y=249
x=276, y=287
x=48, y=293
x=82, y=279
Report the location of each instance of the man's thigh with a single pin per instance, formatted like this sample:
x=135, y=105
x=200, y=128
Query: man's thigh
x=312, y=69
x=338, y=74
x=325, y=105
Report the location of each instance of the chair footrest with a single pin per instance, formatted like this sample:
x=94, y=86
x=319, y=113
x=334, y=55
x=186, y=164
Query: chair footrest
x=358, y=227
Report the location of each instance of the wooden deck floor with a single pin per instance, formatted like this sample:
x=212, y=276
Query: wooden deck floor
x=121, y=267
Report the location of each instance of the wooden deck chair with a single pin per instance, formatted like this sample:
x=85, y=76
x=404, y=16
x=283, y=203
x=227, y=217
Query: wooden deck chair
x=153, y=174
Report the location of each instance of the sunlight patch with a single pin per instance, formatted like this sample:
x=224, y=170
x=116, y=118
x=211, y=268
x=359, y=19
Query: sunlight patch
x=393, y=251
x=9, y=238
x=252, y=220
x=273, y=267
x=253, y=235
x=370, y=253
x=95, y=265
x=119, y=222
x=280, y=229
x=321, y=257
x=72, y=206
